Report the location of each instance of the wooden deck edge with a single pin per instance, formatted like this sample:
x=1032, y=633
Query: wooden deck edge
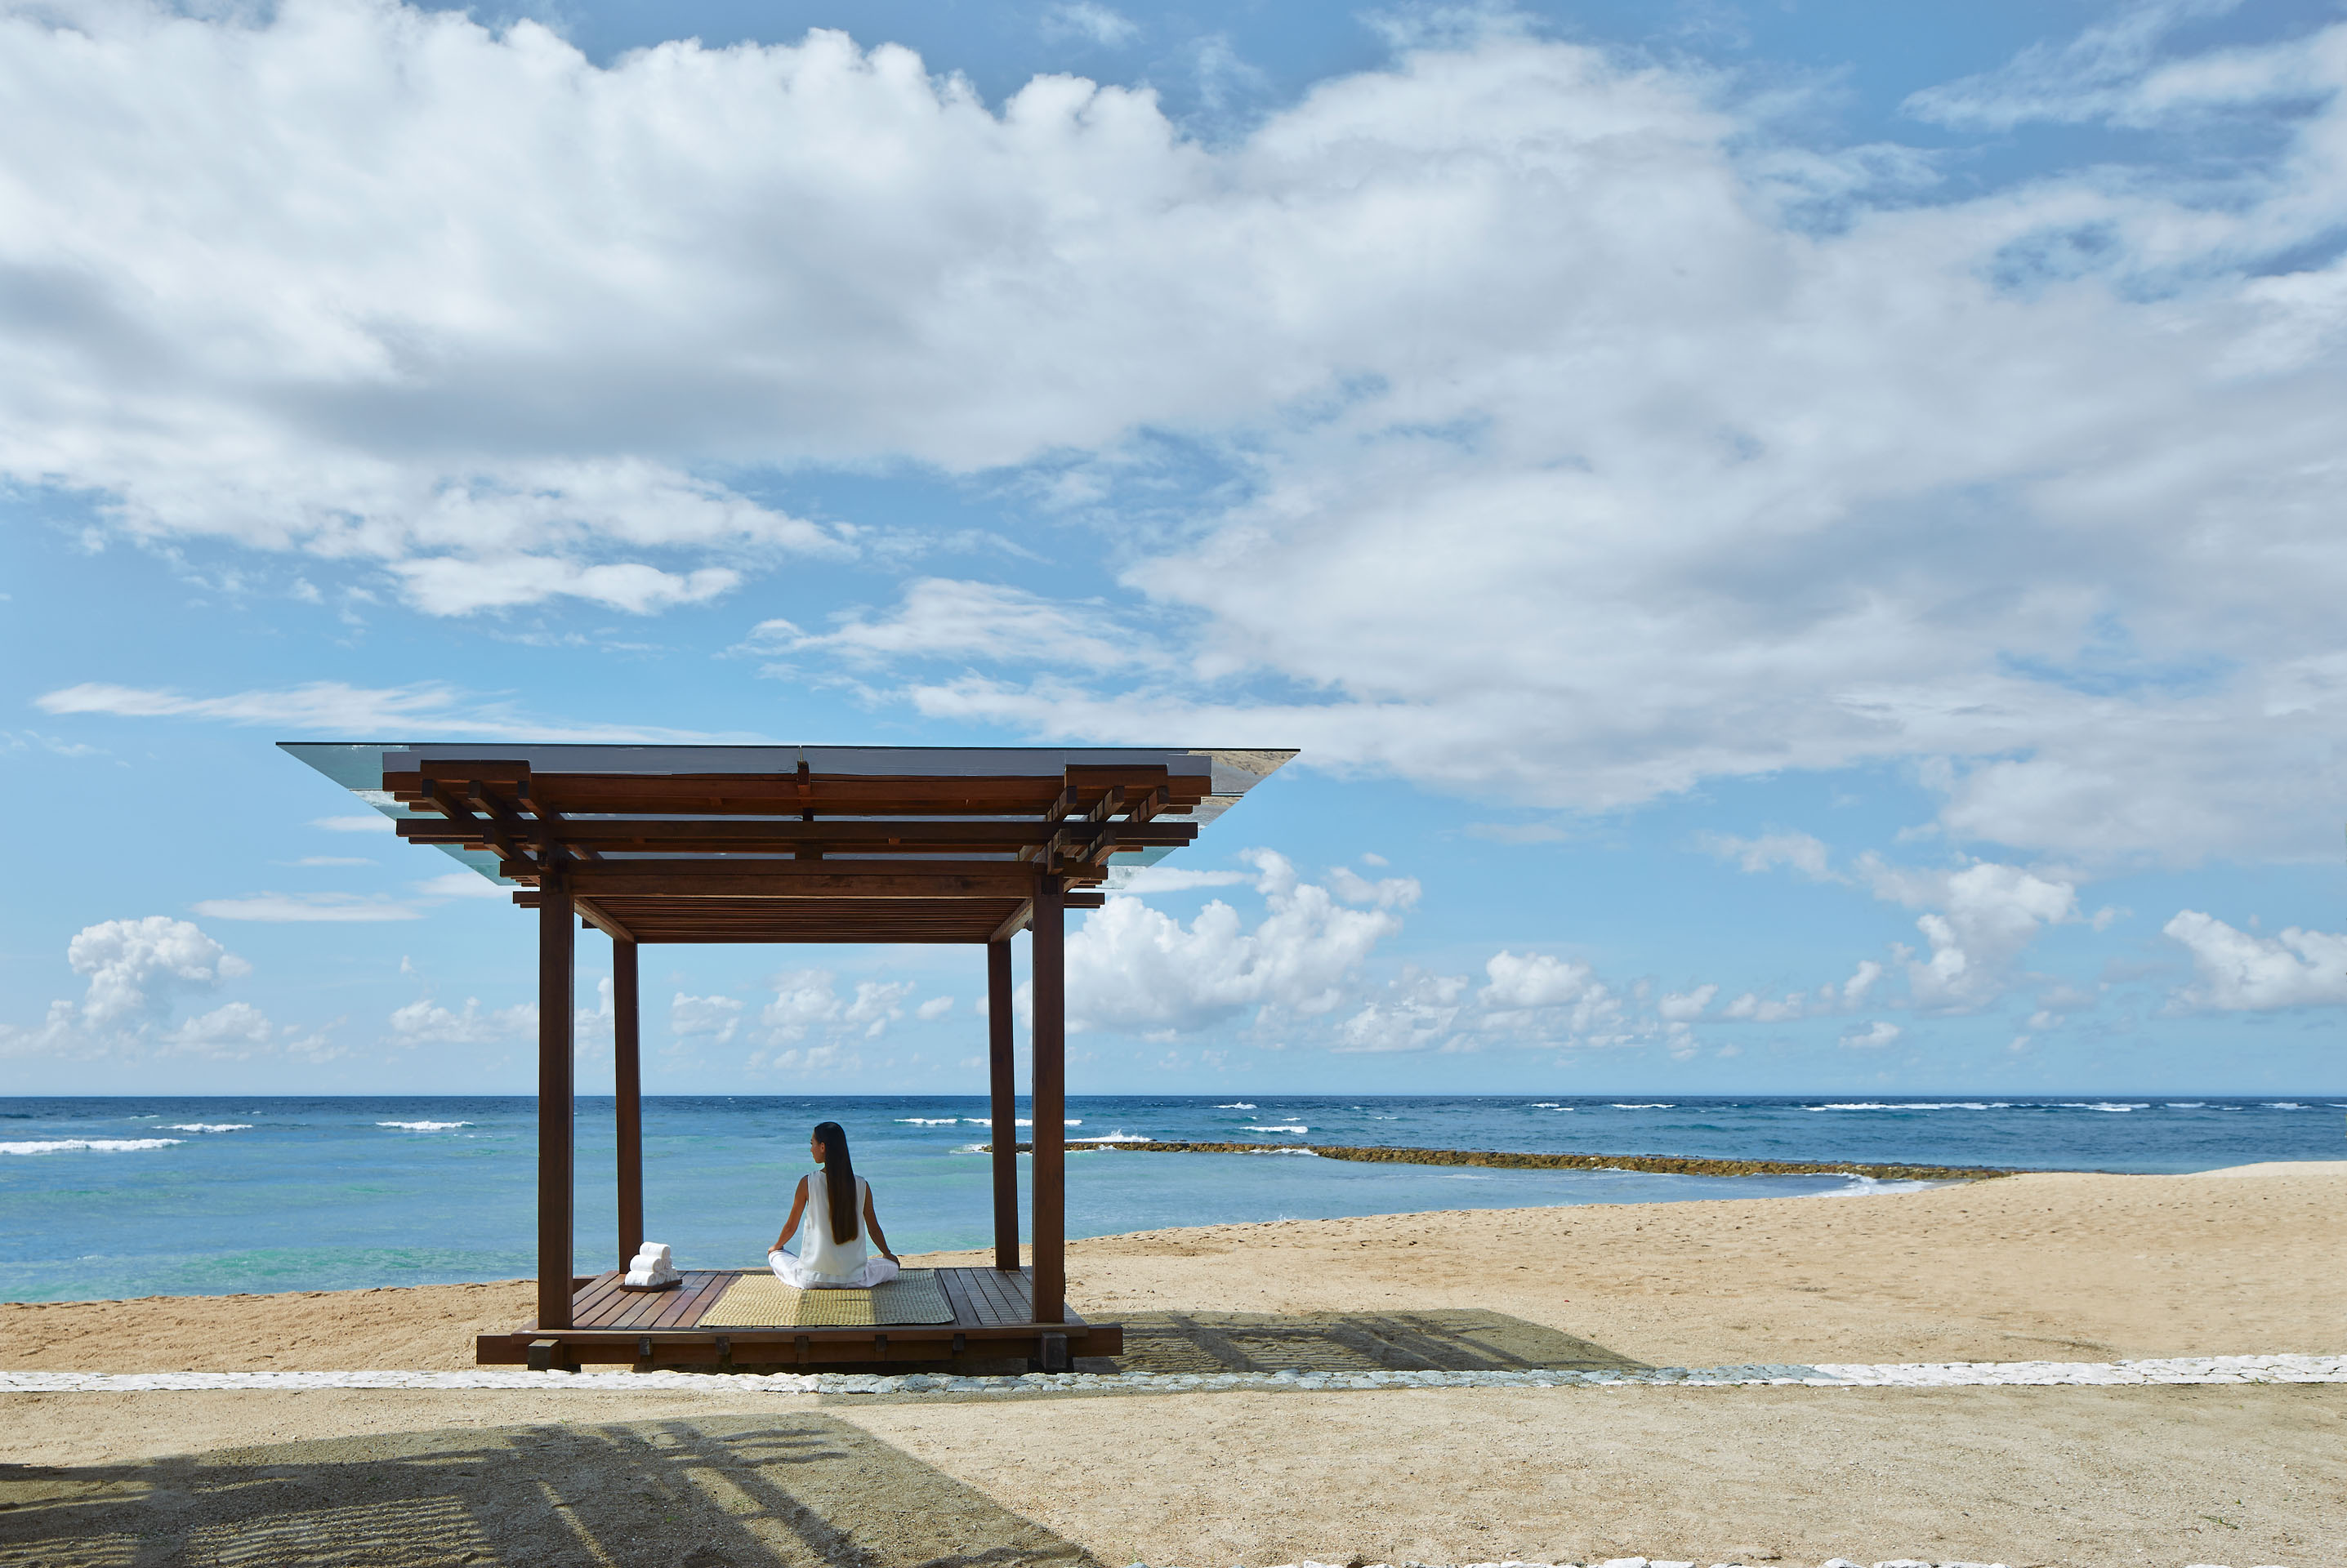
x=909, y=1342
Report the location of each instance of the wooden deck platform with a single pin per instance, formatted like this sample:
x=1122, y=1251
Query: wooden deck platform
x=993, y=1322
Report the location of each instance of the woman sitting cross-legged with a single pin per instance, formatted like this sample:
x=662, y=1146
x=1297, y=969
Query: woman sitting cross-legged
x=830, y=1252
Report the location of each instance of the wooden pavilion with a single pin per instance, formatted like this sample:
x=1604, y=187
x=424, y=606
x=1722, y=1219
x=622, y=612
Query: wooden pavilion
x=796, y=844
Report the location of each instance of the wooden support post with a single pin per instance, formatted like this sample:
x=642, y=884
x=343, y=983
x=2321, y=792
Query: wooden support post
x=1002, y=1089
x=558, y=926
x=628, y=1092
x=1051, y=1102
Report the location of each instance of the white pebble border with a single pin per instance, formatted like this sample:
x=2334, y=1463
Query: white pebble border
x=1667, y=1563
x=1912, y=1375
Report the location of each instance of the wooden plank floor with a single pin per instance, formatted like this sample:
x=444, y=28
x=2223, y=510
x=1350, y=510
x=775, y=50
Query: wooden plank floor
x=982, y=1298
x=993, y=1316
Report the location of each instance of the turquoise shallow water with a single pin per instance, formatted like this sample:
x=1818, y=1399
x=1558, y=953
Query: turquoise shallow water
x=124, y=1197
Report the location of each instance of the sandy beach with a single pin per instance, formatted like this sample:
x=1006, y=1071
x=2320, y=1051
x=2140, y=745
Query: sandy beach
x=2052, y=1266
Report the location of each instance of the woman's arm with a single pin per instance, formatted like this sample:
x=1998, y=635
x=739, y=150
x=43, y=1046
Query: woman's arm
x=872, y=1224
x=798, y=1208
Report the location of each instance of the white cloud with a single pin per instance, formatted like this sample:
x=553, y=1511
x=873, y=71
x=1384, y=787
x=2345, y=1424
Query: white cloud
x=714, y=1018
x=1385, y=892
x=1090, y=21
x=1132, y=967
x=1686, y=1006
x=337, y=708
x=1538, y=993
x=425, y=1022
x=1139, y=880
x=134, y=966
x=2029, y=484
x=1801, y=851
x=236, y=1029
x=2113, y=71
x=1873, y=1037
x=1988, y=914
x=306, y=908
x=1417, y=1011
x=877, y=1004
x=1752, y=1006
x=2241, y=971
x=136, y=970
x=935, y=1008
x=1826, y=1000
x=939, y=619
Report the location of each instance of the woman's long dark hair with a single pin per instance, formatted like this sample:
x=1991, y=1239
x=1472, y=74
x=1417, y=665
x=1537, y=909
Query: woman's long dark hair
x=838, y=1181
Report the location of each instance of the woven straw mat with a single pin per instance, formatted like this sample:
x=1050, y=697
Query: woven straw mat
x=762, y=1301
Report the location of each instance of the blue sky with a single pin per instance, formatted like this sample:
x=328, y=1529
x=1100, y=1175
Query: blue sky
x=1800, y=542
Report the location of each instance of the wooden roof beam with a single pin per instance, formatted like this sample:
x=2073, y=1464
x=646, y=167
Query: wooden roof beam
x=489, y=830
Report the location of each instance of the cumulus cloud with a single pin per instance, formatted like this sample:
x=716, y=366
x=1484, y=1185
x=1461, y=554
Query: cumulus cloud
x=1873, y=1037
x=1416, y=1010
x=1772, y=466
x=1537, y=993
x=711, y=1018
x=1828, y=999
x=807, y=1005
x=135, y=967
x=1988, y=914
x=1684, y=1006
x=137, y=970
x=2239, y=971
x=425, y=1022
x=1132, y=967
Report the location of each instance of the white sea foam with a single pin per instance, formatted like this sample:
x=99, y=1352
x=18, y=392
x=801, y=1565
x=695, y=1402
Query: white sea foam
x=424, y=1126
x=2285, y=1105
x=1277, y=1127
x=211, y=1126
x=1237, y=1105
x=980, y=1121
x=1023, y=1122
x=1546, y=1106
x=1858, y=1185
x=1915, y=1106
x=88, y=1146
x=2104, y=1106
x=1116, y=1138
x=2187, y=1104
x=1648, y=1105
x=929, y=1121
x=1314, y=1153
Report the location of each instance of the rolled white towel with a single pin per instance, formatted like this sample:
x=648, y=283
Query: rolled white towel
x=638, y=1277
x=652, y=1255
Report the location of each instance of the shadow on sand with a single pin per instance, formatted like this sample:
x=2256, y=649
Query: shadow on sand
x=714, y=1492
x=1450, y=1340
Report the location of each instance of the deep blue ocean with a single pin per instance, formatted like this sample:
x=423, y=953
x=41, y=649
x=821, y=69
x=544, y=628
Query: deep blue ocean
x=124, y=1197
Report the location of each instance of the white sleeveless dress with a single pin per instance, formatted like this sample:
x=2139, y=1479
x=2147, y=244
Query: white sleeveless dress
x=822, y=1264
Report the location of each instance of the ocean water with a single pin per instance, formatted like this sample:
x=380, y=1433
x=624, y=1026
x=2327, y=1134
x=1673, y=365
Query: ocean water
x=127, y=1197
